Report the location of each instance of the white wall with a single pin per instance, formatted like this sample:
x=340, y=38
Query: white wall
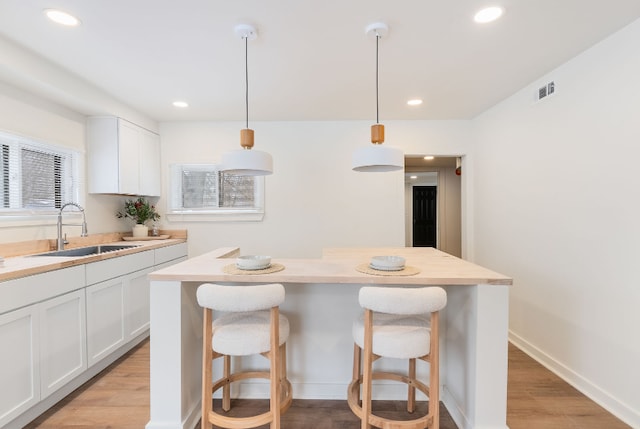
x=313, y=200
x=28, y=115
x=27, y=82
x=557, y=208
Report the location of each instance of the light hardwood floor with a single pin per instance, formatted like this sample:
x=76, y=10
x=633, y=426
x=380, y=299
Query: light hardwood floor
x=118, y=398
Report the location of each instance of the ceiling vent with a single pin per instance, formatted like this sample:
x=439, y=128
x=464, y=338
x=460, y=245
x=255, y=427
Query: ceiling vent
x=545, y=91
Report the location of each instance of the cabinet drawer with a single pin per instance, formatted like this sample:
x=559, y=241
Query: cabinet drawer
x=169, y=253
x=110, y=268
x=31, y=289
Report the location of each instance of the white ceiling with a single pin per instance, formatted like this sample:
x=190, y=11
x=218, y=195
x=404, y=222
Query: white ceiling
x=312, y=60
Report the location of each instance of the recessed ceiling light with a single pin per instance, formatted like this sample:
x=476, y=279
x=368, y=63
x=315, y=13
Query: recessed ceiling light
x=428, y=158
x=414, y=102
x=488, y=14
x=181, y=104
x=62, y=18
x=413, y=177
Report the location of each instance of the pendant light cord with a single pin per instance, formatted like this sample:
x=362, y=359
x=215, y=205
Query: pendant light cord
x=377, y=97
x=246, y=79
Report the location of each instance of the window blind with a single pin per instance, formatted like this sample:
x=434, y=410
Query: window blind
x=237, y=191
x=4, y=177
x=37, y=178
x=203, y=188
x=199, y=188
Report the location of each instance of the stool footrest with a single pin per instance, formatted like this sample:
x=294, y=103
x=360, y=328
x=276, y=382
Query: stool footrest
x=353, y=399
x=252, y=421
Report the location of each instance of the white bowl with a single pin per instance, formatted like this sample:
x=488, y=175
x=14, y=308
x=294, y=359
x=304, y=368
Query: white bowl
x=253, y=262
x=387, y=263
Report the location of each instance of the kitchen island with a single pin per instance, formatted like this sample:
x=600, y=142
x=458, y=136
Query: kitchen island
x=321, y=303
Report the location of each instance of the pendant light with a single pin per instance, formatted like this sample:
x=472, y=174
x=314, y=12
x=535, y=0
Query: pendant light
x=246, y=161
x=376, y=157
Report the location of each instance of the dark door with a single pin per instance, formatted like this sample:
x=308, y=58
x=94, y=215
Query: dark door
x=424, y=216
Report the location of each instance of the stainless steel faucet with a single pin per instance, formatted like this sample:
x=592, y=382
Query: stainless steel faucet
x=62, y=241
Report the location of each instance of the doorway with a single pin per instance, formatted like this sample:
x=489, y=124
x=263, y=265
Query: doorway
x=438, y=209
x=425, y=216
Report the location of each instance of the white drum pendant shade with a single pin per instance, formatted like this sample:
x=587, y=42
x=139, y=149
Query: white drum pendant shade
x=247, y=162
x=377, y=158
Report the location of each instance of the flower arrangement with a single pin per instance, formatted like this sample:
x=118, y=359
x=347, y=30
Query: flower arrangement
x=139, y=210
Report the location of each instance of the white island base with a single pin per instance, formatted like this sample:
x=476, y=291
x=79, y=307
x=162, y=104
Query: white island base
x=321, y=303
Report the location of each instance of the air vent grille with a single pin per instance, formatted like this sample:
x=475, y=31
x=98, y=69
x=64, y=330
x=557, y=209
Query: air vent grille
x=545, y=91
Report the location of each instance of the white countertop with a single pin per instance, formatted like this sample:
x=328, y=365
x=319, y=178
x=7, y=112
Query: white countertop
x=338, y=266
x=21, y=266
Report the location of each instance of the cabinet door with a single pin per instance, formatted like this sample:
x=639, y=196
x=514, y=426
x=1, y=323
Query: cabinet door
x=63, y=352
x=102, y=155
x=123, y=158
x=137, y=303
x=19, y=366
x=150, y=177
x=105, y=318
x=129, y=137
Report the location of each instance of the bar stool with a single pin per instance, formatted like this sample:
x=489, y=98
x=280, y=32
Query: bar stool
x=397, y=323
x=251, y=325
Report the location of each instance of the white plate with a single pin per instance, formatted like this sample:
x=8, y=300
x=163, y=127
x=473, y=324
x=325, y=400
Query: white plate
x=375, y=267
x=253, y=262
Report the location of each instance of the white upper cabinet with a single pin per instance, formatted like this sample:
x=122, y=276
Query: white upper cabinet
x=123, y=158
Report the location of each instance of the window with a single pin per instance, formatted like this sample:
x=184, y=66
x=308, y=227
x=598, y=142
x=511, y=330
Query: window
x=203, y=192
x=35, y=178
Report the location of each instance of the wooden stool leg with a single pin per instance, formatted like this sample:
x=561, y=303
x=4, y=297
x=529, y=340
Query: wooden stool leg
x=367, y=370
x=411, y=395
x=356, y=362
x=283, y=361
x=275, y=364
x=283, y=372
x=226, y=390
x=357, y=367
x=434, y=371
x=207, y=376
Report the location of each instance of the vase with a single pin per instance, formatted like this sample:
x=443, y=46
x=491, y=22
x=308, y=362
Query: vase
x=140, y=230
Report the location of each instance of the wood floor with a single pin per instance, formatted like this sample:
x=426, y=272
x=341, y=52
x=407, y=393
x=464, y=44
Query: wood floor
x=118, y=398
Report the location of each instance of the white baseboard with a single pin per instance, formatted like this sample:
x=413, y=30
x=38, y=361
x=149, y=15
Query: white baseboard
x=581, y=383
x=454, y=410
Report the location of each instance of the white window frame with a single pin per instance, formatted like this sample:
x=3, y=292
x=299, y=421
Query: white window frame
x=71, y=180
x=176, y=212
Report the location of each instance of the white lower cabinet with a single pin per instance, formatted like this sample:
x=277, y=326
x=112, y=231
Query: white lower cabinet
x=105, y=318
x=19, y=366
x=136, y=303
x=63, y=352
x=56, y=326
x=117, y=312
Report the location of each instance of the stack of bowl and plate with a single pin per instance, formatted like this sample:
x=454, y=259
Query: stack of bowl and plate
x=387, y=263
x=253, y=262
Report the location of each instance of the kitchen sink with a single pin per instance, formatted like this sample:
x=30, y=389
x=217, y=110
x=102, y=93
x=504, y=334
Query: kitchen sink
x=90, y=250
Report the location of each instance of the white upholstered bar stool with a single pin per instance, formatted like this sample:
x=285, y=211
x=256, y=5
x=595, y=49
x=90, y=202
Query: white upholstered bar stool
x=252, y=324
x=397, y=323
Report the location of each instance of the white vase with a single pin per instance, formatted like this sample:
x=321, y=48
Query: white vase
x=140, y=230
